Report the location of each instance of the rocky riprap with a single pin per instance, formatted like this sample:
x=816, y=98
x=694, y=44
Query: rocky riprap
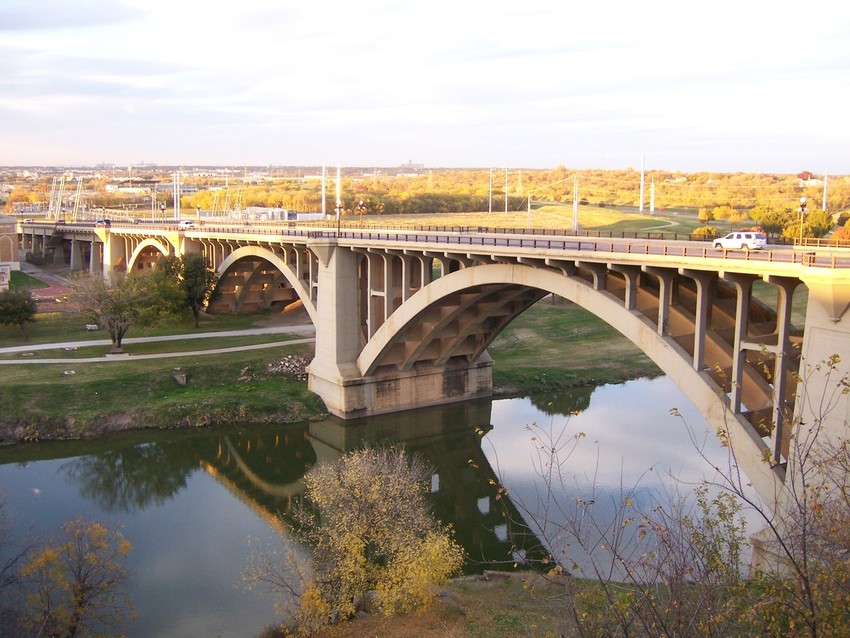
x=290, y=365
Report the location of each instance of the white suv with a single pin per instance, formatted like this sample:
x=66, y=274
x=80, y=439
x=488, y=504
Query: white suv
x=743, y=239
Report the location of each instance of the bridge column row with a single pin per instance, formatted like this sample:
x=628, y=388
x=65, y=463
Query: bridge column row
x=763, y=403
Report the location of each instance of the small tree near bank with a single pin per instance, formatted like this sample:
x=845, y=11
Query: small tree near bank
x=17, y=308
x=373, y=537
x=76, y=583
x=123, y=301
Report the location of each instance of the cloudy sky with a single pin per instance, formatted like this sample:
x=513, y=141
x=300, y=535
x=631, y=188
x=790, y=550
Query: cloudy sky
x=750, y=85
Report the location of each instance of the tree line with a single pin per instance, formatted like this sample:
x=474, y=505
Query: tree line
x=475, y=190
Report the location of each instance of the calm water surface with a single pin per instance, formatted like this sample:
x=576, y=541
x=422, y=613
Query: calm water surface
x=196, y=505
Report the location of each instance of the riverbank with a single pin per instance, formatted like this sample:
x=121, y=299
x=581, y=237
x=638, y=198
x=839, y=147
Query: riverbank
x=491, y=606
x=551, y=346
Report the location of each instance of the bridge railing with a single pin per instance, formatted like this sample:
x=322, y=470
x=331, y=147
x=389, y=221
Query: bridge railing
x=577, y=243
x=547, y=239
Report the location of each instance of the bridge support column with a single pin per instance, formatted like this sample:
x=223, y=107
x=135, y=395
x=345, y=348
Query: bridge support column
x=96, y=258
x=704, y=284
x=827, y=334
x=665, y=295
x=782, y=355
x=743, y=288
x=114, y=254
x=334, y=374
x=76, y=255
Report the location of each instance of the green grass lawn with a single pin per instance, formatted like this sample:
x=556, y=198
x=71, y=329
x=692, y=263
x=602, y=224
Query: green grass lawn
x=22, y=281
x=222, y=388
x=557, y=344
x=57, y=327
x=552, y=216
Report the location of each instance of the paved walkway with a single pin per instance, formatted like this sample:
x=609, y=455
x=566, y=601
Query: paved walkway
x=59, y=288
x=69, y=345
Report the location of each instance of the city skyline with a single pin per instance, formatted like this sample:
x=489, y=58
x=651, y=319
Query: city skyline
x=728, y=87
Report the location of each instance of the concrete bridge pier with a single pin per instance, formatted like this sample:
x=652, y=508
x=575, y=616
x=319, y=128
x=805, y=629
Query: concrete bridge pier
x=345, y=309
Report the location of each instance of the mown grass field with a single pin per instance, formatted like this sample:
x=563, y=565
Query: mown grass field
x=548, y=216
x=558, y=344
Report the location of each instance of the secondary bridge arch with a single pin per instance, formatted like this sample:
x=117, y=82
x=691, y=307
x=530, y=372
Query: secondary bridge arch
x=146, y=253
x=244, y=278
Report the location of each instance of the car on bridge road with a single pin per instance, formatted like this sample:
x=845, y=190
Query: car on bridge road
x=742, y=239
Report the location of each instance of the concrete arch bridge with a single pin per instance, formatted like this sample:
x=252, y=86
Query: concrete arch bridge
x=403, y=320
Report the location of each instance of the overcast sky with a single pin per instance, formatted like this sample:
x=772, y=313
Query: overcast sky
x=750, y=85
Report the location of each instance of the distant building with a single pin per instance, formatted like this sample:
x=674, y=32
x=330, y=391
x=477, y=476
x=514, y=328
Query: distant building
x=410, y=170
x=9, y=251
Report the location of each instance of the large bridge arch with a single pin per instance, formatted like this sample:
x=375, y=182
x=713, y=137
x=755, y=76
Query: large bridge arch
x=255, y=276
x=499, y=292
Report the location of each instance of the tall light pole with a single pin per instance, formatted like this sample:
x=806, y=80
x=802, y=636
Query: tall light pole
x=324, y=203
x=338, y=199
x=642, y=178
x=491, y=191
x=802, y=212
x=506, y=190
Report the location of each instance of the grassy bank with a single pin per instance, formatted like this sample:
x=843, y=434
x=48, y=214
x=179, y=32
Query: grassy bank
x=73, y=400
x=556, y=344
x=524, y=604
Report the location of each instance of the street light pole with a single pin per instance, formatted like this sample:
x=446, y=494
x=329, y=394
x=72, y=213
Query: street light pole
x=802, y=212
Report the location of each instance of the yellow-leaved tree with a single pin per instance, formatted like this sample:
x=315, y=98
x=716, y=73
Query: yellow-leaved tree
x=76, y=582
x=375, y=543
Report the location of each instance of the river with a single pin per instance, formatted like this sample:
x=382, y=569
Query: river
x=196, y=505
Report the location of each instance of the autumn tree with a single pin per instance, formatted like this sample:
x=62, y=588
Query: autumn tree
x=814, y=224
x=371, y=529
x=842, y=234
x=76, y=582
x=772, y=220
x=124, y=300
x=17, y=308
x=195, y=279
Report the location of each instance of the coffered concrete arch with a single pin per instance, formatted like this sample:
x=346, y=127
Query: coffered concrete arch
x=460, y=314
x=141, y=255
x=255, y=279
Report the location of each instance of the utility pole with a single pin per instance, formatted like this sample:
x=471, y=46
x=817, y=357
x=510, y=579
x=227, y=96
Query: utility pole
x=490, y=210
x=324, y=203
x=176, y=194
x=575, y=203
x=642, y=170
x=506, y=189
x=823, y=206
x=338, y=194
x=652, y=195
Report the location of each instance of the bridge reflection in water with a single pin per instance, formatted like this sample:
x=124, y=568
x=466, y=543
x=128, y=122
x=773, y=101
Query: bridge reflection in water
x=264, y=468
